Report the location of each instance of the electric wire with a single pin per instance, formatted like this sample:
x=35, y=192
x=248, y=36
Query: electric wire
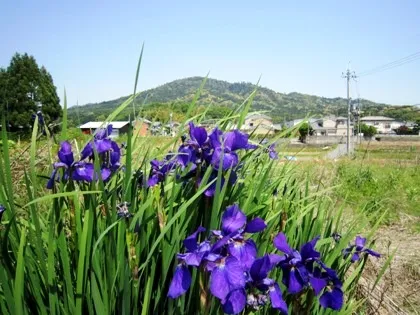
x=397, y=63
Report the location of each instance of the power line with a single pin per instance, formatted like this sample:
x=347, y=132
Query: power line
x=410, y=58
x=393, y=62
x=391, y=67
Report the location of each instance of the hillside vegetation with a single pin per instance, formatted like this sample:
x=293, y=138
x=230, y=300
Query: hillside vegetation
x=173, y=96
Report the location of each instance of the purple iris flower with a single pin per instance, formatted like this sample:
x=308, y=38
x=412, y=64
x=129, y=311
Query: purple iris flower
x=198, y=137
x=109, y=154
x=186, y=155
x=196, y=149
x=101, y=143
x=295, y=264
x=2, y=210
x=225, y=146
x=234, y=226
x=193, y=257
x=103, y=133
x=227, y=275
x=258, y=278
x=326, y=281
x=228, y=260
x=159, y=171
x=358, y=248
x=65, y=155
x=83, y=171
x=272, y=153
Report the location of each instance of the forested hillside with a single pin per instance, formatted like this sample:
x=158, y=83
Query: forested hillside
x=174, y=96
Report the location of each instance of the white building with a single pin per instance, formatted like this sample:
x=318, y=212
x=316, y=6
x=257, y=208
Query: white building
x=258, y=124
x=384, y=125
x=331, y=126
x=118, y=127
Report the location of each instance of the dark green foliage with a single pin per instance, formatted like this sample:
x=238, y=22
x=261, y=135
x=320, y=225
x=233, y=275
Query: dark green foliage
x=368, y=131
x=404, y=130
x=223, y=95
x=22, y=86
x=304, y=130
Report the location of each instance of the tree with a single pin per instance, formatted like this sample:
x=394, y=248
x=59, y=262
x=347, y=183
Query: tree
x=304, y=130
x=24, y=85
x=368, y=131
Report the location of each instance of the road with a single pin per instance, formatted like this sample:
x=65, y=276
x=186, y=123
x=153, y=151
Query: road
x=339, y=151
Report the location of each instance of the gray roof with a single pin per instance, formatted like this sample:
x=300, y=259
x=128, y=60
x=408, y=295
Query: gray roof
x=255, y=115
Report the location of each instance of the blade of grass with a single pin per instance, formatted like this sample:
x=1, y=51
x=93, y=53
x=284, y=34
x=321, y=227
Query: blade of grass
x=136, y=80
x=20, y=276
x=64, y=125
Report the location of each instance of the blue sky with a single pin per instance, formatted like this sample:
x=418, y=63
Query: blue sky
x=91, y=47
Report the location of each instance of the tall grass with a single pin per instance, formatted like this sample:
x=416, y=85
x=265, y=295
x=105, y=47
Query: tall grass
x=68, y=251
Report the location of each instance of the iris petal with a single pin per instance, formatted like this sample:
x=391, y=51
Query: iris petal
x=153, y=180
x=190, y=242
x=235, y=302
x=103, y=145
x=199, y=134
x=308, y=250
x=180, y=282
x=83, y=171
x=260, y=268
x=65, y=154
x=280, y=243
x=372, y=252
x=87, y=151
x=276, y=297
x=233, y=219
x=256, y=225
x=360, y=241
x=245, y=252
x=292, y=280
x=236, y=140
x=355, y=257
x=332, y=299
x=318, y=284
x=51, y=181
x=226, y=277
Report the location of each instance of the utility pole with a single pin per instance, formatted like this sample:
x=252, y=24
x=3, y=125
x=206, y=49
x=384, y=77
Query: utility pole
x=348, y=75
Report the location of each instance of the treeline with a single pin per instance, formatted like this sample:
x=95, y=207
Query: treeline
x=221, y=94
x=155, y=112
x=25, y=89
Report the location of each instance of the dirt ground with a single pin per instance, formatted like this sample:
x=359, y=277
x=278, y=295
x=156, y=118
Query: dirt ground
x=398, y=292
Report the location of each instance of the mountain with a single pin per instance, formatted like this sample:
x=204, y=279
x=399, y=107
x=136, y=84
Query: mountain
x=222, y=95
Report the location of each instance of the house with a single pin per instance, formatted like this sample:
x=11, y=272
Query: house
x=331, y=126
x=141, y=127
x=118, y=127
x=258, y=124
x=292, y=123
x=384, y=125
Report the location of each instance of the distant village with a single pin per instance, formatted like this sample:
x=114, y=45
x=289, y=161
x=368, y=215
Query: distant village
x=260, y=124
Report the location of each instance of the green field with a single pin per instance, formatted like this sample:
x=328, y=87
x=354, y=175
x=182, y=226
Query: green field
x=382, y=179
